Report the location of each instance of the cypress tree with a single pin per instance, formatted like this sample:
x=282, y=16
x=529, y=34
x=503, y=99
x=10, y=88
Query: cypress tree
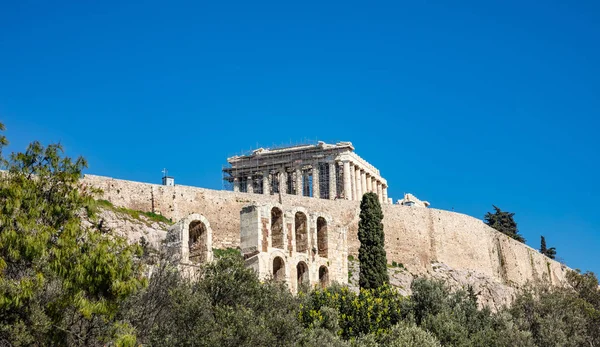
x=371, y=254
x=504, y=222
x=543, y=248
x=548, y=252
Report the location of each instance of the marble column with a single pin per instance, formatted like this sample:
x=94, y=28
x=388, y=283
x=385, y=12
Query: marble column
x=380, y=192
x=282, y=181
x=353, y=181
x=373, y=185
x=369, y=181
x=266, y=186
x=298, y=181
x=250, y=185
x=315, y=181
x=363, y=182
x=236, y=184
x=332, y=181
x=357, y=183
x=347, y=187
x=385, y=197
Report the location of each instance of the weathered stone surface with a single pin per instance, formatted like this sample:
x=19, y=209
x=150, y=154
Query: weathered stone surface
x=415, y=237
x=131, y=228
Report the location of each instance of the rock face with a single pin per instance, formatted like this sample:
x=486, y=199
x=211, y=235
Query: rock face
x=132, y=228
x=426, y=241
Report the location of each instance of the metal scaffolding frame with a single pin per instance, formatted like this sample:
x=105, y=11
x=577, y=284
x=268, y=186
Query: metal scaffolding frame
x=252, y=167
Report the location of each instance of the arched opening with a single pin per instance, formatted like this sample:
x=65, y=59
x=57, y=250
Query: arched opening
x=322, y=237
x=302, y=275
x=301, y=232
x=323, y=276
x=276, y=228
x=197, y=242
x=278, y=269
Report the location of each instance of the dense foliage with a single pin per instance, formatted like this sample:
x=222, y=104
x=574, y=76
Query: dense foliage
x=64, y=281
x=60, y=281
x=371, y=254
x=504, y=222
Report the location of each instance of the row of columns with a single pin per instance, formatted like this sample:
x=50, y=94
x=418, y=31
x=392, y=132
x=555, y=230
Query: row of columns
x=356, y=182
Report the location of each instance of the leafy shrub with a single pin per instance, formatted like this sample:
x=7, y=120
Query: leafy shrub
x=370, y=311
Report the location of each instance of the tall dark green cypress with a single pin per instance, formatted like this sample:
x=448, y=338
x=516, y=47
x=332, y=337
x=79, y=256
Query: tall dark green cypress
x=549, y=252
x=543, y=248
x=371, y=254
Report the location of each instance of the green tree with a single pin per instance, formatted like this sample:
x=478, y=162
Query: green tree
x=553, y=316
x=60, y=281
x=371, y=311
x=587, y=289
x=549, y=252
x=503, y=222
x=371, y=254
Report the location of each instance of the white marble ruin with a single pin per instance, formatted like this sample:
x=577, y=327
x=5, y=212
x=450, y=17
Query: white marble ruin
x=326, y=171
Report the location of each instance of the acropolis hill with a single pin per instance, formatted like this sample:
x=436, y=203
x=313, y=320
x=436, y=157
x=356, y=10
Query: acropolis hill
x=326, y=181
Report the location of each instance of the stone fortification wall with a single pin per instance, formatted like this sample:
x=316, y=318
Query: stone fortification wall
x=415, y=237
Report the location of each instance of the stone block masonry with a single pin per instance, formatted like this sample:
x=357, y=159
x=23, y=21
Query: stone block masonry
x=415, y=237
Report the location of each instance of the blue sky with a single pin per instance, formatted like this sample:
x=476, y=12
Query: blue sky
x=462, y=103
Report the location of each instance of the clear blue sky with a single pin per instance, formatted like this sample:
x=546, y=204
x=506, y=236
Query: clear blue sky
x=464, y=104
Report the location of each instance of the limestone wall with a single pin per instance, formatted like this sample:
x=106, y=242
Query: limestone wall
x=415, y=237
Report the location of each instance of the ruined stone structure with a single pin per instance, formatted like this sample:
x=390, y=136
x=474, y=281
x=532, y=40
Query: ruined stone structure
x=411, y=200
x=298, y=246
x=191, y=240
x=323, y=171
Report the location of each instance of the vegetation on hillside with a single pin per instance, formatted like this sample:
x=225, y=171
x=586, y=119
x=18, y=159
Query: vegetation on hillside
x=504, y=222
x=65, y=284
x=135, y=214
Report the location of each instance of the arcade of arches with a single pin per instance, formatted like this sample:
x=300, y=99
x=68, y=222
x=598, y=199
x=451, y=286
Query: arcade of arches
x=293, y=245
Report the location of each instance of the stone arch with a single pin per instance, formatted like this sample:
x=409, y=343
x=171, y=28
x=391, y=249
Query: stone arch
x=277, y=228
x=278, y=269
x=197, y=242
x=302, y=275
x=323, y=276
x=301, y=227
x=322, y=237
x=191, y=238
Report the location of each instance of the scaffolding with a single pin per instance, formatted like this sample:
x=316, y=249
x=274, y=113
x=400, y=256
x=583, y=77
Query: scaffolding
x=264, y=169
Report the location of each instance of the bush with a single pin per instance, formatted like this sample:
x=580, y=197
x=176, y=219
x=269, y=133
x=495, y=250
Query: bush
x=408, y=335
x=371, y=311
x=226, y=306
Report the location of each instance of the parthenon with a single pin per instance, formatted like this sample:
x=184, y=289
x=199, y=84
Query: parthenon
x=326, y=171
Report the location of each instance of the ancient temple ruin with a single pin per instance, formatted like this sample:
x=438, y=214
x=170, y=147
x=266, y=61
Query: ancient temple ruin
x=326, y=171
